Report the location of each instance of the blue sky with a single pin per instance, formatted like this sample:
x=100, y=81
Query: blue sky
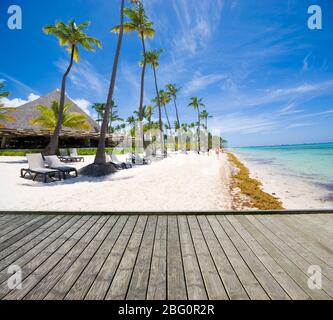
x=265, y=76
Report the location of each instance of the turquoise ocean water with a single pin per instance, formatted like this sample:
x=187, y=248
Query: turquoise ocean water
x=311, y=162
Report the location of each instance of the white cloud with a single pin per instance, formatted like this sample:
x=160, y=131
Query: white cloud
x=240, y=124
x=83, y=104
x=17, y=102
x=300, y=125
x=200, y=82
x=306, y=63
x=289, y=110
x=198, y=21
x=85, y=77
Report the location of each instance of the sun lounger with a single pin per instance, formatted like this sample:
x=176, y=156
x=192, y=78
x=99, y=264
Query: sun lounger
x=64, y=157
x=37, y=169
x=73, y=154
x=53, y=162
x=140, y=161
x=118, y=163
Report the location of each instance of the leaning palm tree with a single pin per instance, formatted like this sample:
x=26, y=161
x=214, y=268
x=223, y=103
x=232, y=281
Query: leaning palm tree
x=152, y=58
x=100, y=159
x=72, y=36
x=48, y=117
x=196, y=103
x=138, y=22
x=205, y=116
x=172, y=91
x=3, y=110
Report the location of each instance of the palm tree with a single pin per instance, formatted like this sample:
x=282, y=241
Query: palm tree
x=196, y=103
x=48, y=117
x=99, y=108
x=131, y=121
x=149, y=115
x=72, y=36
x=152, y=58
x=163, y=99
x=185, y=126
x=172, y=91
x=100, y=158
x=3, y=110
x=114, y=117
x=141, y=114
x=138, y=22
x=205, y=116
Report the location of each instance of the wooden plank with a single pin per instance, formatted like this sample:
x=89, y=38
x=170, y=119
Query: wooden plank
x=194, y=282
x=291, y=254
x=314, y=246
x=6, y=220
x=229, y=278
x=176, y=287
x=244, y=273
x=283, y=234
x=213, y=283
x=287, y=263
x=27, y=260
x=157, y=281
x=316, y=230
x=266, y=280
x=16, y=247
x=139, y=282
x=287, y=283
x=12, y=226
x=88, y=276
x=60, y=263
x=15, y=251
x=37, y=268
x=122, y=278
x=104, y=278
x=24, y=231
x=81, y=256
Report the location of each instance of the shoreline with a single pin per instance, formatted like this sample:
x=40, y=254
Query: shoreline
x=293, y=191
x=185, y=183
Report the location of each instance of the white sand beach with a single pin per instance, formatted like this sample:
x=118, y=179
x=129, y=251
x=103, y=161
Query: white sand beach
x=294, y=192
x=180, y=182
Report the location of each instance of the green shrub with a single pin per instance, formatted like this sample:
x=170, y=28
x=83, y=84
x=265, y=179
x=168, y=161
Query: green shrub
x=18, y=153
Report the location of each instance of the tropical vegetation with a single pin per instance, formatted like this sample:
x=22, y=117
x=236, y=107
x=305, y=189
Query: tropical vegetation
x=48, y=117
x=71, y=36
x=196, y=104
x=132, y=19
x=4, y=116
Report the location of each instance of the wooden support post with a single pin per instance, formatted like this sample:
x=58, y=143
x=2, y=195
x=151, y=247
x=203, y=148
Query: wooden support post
x=3, y=142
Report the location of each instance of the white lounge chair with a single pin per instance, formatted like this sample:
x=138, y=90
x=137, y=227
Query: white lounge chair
x=53, y=162
x=37, y=168
x=117, y=162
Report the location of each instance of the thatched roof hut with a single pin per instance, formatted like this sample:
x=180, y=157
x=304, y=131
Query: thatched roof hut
x=23, y=132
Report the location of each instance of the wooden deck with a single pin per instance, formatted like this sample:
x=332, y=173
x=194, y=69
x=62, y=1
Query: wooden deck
x=166, y=257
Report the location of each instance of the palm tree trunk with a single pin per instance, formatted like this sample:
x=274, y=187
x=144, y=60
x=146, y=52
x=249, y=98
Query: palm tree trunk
x=199, y=123
x=159, y=110
x=52, y=147
x=167, y=116
x=100, y=155
x=142, y=89
x=177, y=114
